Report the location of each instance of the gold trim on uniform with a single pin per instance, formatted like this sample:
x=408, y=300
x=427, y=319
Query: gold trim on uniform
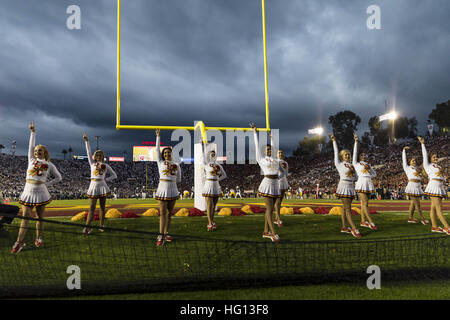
x=268, y=195
x=29, y=204
x=365, y=191
x=35, y=181
x=434, y=195
x=413, y=195
x=211, y=195
x=167, y=199
x=344, y=196
x=99, y=196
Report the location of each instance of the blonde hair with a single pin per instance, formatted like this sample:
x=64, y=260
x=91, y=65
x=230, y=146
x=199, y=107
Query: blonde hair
x=46, y=154
x=341, y=154
x=100, y=152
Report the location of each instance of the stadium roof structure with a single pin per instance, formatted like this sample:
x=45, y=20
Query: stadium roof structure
x=199, y=125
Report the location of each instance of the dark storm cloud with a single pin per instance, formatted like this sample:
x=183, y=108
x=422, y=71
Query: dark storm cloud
x=202, y=60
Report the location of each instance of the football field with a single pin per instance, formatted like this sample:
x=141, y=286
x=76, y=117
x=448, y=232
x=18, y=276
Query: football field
x=115, y=249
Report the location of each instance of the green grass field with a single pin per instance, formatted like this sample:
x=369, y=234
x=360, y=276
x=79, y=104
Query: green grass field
x=72, y=247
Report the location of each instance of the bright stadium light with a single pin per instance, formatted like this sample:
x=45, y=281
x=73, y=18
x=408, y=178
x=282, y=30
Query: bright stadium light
x=318, y=131
x=389, y=116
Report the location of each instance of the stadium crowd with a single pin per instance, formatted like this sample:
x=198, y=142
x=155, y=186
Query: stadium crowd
x=314, y=177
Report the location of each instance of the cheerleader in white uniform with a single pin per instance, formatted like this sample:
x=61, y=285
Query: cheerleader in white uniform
x=435, y=189
x=167, y=192
x=211, y=189
x=269, y=188
x=345, y=190
x=98, y=189
x=414, y=187
x=284, y=186
x=35, y=193
x=364, y=185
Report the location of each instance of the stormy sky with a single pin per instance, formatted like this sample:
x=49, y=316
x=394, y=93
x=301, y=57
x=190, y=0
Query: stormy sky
x=203, y=60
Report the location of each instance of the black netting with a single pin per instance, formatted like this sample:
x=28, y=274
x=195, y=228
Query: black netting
x=125, y=261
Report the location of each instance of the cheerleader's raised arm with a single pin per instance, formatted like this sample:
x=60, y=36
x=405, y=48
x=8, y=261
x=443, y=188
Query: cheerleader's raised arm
x=158, y=152
x=355, y=154
x=426, y=163
x=257, y=151
x=31, y=145
x=404, y=161
x=337, y=162
x=88, y=152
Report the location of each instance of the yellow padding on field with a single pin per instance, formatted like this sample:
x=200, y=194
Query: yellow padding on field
x=225, y=212
x=357, y=210
x=229, y=205
x=79, y=216
x=140, y=205
x=286, y=210
x=113, y=214
x=336, y=211
x=306, y=210
x=182, y=213
x=152, y=212
x=247, y=209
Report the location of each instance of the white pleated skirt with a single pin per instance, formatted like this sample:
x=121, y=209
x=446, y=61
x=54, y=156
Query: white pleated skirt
x=98, y=189
x=284, y=185
x=269, y=188
x=414, y=189
x=167, y=190
x=346, y=189
x=211, y=189
x=435, y=189
x=364, y=185
x=34, y=195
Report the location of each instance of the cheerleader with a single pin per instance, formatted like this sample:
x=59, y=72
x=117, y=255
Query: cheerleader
x=167, y=193
x=211, y=189
x=35, y=193
x=283, y=185
x=269, y=188
x=364, y=186
x=345, y=190
x=98, y=189
x=414, y=187
x=435, y=189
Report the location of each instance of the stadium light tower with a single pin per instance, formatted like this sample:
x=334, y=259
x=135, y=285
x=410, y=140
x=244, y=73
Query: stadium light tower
x=318, y=131
x=97, y=137
x=390, y=116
